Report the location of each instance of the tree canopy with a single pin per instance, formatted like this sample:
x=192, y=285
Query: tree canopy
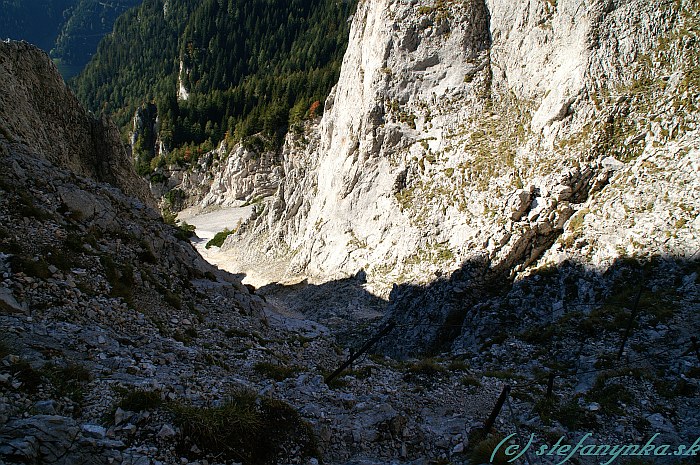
x=249, y=66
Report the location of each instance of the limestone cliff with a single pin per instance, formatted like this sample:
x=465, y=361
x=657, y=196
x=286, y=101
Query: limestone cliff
x=498, y=135
x=119, y=343
x=229, y=176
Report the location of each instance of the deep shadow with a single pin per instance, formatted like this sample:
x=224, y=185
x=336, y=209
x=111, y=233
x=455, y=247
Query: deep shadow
x=477, y=306
x=343, y=305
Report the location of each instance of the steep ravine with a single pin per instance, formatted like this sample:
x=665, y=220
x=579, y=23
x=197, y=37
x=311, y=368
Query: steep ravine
x=469, y=145
x=518, y=182
x=493, y=137
x=120, y=344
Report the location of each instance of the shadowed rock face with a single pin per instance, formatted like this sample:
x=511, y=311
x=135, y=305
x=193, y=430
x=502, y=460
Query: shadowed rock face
x=39, y=112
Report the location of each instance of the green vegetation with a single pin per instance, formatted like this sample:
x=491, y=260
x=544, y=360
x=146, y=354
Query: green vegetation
x=482, y=451
x=120, y=278
x=6, y=134
x=25, y=374
x=219, y=238
x=245, y=428
x=61, y=260
x=5, y=349
x=470, y=381
x=502, y=374
x=496, y=135
x=69, y=29
x=173, y=198
x=235, y=332
x=425, y=368
x=440, y=9
x=25, y=206
x=338, y=382
x=576, y=223
x=609, y=393
x=35, y=268
x=275, y=371
x=36, y=21
x=185, y=336
x=675, y=389
x=65, y=380
x=85, y=23
x=173, y=299
x=433, y=252
x=68, y=381
x=458, y=365
x=184, y=231
x=249, y=66
x=139, y=400
x=567, y=412
x=147, y=255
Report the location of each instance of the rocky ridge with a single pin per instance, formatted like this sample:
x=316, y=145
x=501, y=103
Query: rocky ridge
x=33, y=118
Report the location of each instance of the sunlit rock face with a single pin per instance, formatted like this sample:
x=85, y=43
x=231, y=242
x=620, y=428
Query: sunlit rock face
x=503, y=132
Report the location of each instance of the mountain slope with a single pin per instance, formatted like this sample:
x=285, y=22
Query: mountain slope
x=85, y=24
x=36, y=21
x=119, y=344
x=222, y=70
x=106, y=315
x=519, y=179
x=47, y=128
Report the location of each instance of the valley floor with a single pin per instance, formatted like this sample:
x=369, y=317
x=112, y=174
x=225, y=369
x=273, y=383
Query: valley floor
x=211, y=221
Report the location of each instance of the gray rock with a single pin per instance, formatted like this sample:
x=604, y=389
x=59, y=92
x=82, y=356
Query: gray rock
x=54, y=436
x=120, y=416
x=80, y=202
x=25, y=449
x=519, y=204
x=166, y=431
x=94, y=431
x=8, y=303
x=612, y=163
x=45, y=407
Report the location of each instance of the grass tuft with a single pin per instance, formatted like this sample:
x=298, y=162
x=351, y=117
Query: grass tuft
x=275, y=371
x=219, y=238
x=140, y=400
x=245, y=428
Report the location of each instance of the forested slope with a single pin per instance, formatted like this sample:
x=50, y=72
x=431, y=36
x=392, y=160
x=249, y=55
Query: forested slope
x=239, y=67
x=68, y=29
x=36, y=21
